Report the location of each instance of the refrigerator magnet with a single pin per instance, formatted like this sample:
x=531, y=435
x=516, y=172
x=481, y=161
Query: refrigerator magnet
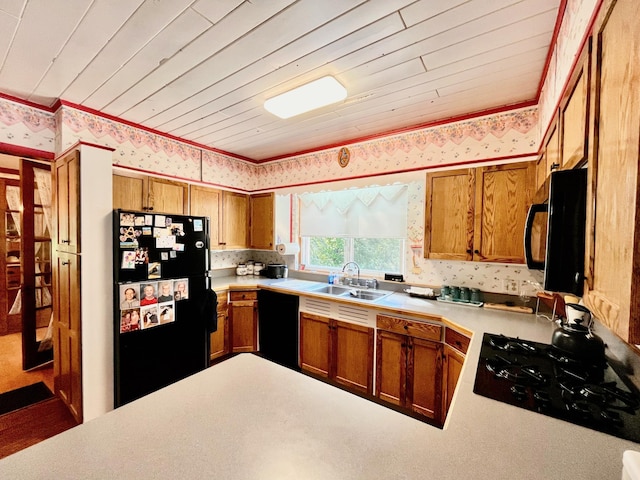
x=142, y=255
x=197, y=225
x=148, y=220
x=139, y=221
x=164, y=256
x=177, y=229
x=146, y=231
x=127, y=219
x=173, y=254
x=129, y=260
x=149, y=293
x=161, y=221
x=154, y=270
x=181, y=289
x=149, y=316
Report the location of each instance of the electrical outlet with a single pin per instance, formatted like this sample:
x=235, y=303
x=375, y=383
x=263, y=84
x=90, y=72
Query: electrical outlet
x=510, y=286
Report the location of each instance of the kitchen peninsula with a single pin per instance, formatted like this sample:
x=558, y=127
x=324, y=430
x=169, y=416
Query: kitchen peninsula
x=249, y=418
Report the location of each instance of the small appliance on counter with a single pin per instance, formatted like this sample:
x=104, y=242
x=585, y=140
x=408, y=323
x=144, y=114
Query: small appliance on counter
x=275, y=270
x=561, y=381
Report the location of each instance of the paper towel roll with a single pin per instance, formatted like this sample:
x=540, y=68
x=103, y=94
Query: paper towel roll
x=287, y=248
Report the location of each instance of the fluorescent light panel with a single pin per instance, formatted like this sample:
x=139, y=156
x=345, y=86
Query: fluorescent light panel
x=316, y=94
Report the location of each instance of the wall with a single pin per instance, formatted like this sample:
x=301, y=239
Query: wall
x=26, y=126
x=97, y=281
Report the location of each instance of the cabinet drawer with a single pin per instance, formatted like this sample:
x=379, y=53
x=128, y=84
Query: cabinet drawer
x=428, y=331
x=456, y=340
x=243, y=295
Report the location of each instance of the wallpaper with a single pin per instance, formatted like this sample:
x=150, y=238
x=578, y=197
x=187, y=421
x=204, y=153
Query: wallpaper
x=490, y=137
x=572, y=31
x=26, y=126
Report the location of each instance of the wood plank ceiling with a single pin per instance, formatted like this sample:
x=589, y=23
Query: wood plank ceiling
x=201, y=70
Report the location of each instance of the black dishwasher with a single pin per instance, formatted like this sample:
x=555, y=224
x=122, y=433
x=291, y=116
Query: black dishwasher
x=278, y=327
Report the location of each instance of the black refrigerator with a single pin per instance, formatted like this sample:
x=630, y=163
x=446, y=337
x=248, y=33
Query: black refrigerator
x=164, y=306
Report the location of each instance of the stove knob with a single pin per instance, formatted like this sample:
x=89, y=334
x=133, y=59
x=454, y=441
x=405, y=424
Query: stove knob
x=519, y=392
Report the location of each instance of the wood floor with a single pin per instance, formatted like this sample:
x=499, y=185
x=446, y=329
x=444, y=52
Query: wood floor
x=27, y=426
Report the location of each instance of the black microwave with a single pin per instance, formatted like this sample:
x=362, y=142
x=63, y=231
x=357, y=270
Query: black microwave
x=554, y=239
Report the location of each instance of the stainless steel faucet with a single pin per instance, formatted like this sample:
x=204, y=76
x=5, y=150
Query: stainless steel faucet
x=357, y=266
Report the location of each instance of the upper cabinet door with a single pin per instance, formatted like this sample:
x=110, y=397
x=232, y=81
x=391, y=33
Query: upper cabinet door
x=67, y=203
x=449, y=215
x=168, y=196
x=262, y=221
x=129, y=193
x=573, y=113
x=613, y=216
x=503, y=197
x=207, y=202
x=235, y=232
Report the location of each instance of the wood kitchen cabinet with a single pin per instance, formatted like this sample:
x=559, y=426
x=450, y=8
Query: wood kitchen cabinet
x=478, y=214
x=574, y=113
x=219, y=340
x=66, y=176
x=336, y=350
x=449, y=214
x=243, y=321
x=409, y=365
x=455, y=349
x=262, y=221
x=228, y=214
x=613, y=216
x=153, y=194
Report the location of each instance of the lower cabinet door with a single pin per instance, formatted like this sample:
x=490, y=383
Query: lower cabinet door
x=452, y=367
x=244, y=326
x=424, y=375
x=219, y=344
x=391, y=369
x=353, y=356
x=314, y=344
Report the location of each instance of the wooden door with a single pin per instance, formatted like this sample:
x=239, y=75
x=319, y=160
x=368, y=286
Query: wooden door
x=503, y=197
x=235, y=231
x=207, y=202
x=262, y=221
x=10, y=248
x=352, y=355
x=453, y=361
x=391, y=367
x=574, y=113
x=129, y=193
x=552, y=150
x=243, y=326
x=168, y=196
x=35, y=254
x=613, y=225
x=314, y=344
x=67, y=203
x=67, y=332
x=424, y=377
x=449, y=211
x=219, y=343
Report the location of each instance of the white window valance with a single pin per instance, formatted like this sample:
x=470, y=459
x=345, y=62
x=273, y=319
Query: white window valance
x=371, y=212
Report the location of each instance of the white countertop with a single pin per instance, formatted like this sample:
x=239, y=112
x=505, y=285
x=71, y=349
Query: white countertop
x=248, y=418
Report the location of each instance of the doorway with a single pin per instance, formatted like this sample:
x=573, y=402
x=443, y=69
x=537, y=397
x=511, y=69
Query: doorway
x=25, y=274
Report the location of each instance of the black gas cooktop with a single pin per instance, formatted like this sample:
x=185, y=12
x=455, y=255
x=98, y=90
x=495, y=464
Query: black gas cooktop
x=538, y=377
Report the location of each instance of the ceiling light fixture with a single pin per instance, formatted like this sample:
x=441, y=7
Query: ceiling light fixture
x=316, y=94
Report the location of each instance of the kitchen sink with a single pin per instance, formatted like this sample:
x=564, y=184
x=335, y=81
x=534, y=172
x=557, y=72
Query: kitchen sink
x=366, y=294
x=351, y=292
x=331, y=290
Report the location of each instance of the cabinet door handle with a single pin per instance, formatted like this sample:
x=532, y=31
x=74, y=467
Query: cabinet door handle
x=65, y=262
x=554, y=166
x=469, y=250
x=406, y=327
x=65, y=241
